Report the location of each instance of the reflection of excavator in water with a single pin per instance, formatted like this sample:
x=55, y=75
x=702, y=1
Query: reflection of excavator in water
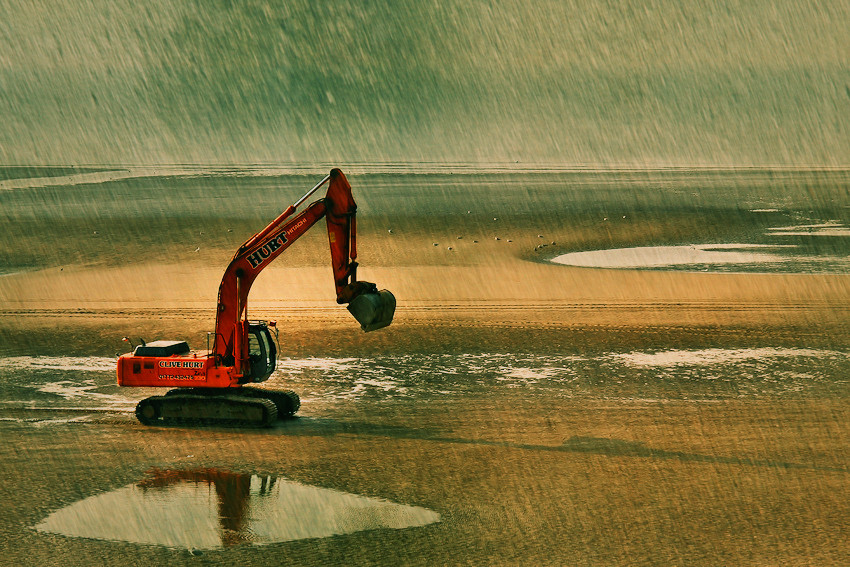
x=233, y=496
x=209, y=386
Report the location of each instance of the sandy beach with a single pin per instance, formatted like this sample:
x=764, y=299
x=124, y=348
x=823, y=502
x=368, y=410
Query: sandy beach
x=618, y=235
x=551, y=415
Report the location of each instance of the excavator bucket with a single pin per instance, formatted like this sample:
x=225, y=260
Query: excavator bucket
x=373, y=310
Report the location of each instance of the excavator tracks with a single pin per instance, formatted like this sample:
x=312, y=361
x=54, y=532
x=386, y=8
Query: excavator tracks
x=287, y=402
x=251, y=407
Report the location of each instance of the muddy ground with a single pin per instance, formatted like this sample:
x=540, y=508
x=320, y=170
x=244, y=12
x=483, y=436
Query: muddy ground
x=604, y=473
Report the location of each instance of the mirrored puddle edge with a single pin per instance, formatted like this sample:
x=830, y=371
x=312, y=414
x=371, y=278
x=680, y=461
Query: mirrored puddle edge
x=214, y=509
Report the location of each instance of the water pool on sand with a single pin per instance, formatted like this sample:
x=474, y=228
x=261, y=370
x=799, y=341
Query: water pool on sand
x=213, y=509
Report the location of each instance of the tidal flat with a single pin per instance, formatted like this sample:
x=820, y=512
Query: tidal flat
x=546, y=413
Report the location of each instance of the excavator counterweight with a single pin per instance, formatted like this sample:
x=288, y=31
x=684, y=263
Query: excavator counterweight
x=210, y=386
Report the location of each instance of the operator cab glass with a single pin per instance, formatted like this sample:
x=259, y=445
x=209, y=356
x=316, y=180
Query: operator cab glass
x=262, y=352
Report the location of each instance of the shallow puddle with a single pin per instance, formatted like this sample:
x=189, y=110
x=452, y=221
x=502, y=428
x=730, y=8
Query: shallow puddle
x=730, y=258
x=212, y=509
x=670, y=256
x=804, y=248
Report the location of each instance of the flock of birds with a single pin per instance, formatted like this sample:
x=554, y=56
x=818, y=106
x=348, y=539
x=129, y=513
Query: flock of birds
x=436, y=244
x=495, y=219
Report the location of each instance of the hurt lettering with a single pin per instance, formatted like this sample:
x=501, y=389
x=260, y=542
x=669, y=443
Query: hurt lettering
x=262, y=254
x=255, y=259
x=274, y=244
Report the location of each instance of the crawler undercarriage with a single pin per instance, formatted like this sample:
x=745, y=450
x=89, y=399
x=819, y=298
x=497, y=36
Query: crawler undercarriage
x=244, y=406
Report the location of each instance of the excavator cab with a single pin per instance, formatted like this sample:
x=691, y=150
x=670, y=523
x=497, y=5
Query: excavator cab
x=262, y=352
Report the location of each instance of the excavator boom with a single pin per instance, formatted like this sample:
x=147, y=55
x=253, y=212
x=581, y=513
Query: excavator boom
x=209, y=384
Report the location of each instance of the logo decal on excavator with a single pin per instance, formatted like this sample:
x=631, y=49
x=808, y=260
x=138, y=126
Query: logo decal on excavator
x=295, y=227
x=264, y=251
x=181, y=364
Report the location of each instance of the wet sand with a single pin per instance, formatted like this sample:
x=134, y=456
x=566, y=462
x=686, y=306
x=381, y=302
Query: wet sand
x=515, y=480
x=606, y=476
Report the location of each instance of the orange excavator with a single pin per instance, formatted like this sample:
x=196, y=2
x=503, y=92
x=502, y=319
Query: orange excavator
x=210, y=386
